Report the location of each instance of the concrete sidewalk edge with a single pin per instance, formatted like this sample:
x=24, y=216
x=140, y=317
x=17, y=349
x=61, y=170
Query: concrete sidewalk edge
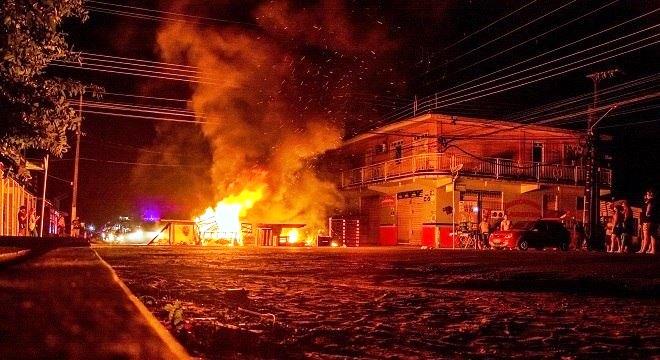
x=11, y=256
x=173, y=345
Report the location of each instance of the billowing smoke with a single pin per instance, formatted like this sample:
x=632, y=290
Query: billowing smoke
x=273, y=99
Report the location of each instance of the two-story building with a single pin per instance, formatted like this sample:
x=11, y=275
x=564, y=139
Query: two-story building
x=432, y=171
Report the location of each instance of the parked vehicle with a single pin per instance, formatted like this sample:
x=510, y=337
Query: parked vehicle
x=535, y=234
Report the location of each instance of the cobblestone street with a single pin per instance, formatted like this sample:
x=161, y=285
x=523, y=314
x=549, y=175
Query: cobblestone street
x=397, y=303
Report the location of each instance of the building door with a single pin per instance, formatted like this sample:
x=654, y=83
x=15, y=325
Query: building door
x=370, y=216
x=410, y=215
x=537, y=158
x=417, y=216
x=537, y=153
x=403, y=215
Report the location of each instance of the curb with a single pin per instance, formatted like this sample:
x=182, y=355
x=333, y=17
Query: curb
x=172, y=344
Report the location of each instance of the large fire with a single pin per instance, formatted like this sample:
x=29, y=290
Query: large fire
x=271, y=100
x=223, y=222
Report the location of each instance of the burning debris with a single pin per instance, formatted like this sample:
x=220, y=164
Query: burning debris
x=224, y=221
x=263, y=150
x=271, y=99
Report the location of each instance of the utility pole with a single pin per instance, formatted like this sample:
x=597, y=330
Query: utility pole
x=455, y=172
x=592, y=178
x=74, y=197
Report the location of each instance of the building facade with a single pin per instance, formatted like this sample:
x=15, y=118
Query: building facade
x=13, y=195
x=433, y=172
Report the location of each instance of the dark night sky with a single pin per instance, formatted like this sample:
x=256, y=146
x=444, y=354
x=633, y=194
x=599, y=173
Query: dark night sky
x=386, y=53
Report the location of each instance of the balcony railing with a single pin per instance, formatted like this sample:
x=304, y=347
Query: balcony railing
x=441, y=164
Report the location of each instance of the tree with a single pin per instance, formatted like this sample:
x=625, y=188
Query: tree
x=35, y=110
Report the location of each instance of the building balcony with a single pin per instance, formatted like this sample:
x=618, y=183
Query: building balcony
x=437, y=164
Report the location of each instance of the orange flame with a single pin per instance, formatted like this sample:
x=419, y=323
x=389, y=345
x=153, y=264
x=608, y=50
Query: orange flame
x=224, y=221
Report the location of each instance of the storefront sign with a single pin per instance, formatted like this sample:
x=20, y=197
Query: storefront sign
x=409, y=194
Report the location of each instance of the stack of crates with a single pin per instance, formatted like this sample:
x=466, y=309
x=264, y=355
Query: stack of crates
x=345, y=232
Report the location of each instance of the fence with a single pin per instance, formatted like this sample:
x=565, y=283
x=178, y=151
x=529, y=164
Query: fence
x=441, y=164
x=12, y=196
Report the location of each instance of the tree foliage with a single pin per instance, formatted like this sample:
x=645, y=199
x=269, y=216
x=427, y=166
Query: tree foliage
x=35, y=111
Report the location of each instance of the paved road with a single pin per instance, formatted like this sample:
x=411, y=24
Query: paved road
x=399, y=303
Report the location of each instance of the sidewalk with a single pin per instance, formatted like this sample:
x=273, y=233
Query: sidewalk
x=67, y=303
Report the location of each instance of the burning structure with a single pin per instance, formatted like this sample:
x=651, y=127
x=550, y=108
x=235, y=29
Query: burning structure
x=272, y=94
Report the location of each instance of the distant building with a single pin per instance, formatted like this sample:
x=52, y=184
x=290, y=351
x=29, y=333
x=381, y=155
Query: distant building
x=397, y=179
x=14, y=193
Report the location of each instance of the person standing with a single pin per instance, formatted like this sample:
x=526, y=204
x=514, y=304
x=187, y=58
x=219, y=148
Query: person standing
x=32, y=223
x=22, y=221
x=649, y=223
x=75, y=227
x=628, y=227
x=61, y=225
x=617, y=229
x=505, y=225
x=484, y=229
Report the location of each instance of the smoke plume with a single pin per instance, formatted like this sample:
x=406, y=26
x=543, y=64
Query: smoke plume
x=272, y=98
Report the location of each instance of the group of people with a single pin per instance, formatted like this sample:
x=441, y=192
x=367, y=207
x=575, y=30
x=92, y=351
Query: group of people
x=27, y=222
x=623, y=226
x=619, y=236
x=485, y=230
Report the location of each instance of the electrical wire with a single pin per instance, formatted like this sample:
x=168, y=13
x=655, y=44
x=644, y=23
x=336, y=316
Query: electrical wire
x=426, y=104
x=145, y=97
x=628, y=44
x=553, y=50
x=135, y=163
x=635, y=123
x=504, y=35
x=97, y=56
x=536, y=37
x=102, y=3
x=162, y=77
x=396, y=114
x=487, y=26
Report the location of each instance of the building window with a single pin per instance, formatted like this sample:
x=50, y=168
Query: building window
x=579, y=203
x=397, y=146
x=537, y=153
x=571, y=154
x=381, y=148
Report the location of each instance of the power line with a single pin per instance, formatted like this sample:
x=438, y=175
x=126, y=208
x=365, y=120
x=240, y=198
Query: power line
x=137, y=70
x=585, y=112
x=135, y=163
x=396, y=114
x=122, y=72
x=487, y=26
x=143, y=109
x=552, y=51
x=142, y=164
x=505, y=35
x=102, y=3
x=536, y=37
x=431, y=102
x=553, y=61
x=635, y=123
x=530, y=113
x=145, y=97
x=157, y=118
x=489, y=135
x=96, y=56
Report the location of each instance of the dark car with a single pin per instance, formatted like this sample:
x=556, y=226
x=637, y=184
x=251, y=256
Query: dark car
x=535, y=234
